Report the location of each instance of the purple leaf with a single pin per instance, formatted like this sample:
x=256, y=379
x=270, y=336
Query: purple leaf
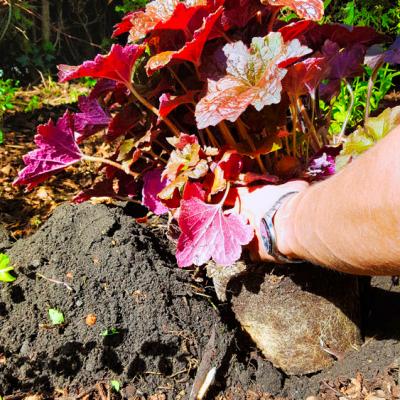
x=91, y=119
x=153, y=185
x=57, y=149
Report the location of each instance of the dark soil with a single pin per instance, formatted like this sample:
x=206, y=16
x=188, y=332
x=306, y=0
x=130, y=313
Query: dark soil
x=125, y=274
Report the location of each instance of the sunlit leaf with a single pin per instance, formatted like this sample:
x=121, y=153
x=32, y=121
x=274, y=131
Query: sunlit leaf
x=253, y=78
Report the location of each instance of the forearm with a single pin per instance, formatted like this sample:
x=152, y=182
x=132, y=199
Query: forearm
x=350, y=222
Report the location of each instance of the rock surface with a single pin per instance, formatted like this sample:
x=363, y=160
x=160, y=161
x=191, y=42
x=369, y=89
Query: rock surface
x=302, y=318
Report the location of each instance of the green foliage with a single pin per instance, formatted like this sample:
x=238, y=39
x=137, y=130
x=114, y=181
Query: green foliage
x=115, y=386
x=109, y=332
x=8, y=88
x=339, y=106
x=39, y=57
x=130, y=5
x=5, y=269
x=365, y=137
x=34, y=104
x=56, y=317
x=384, y=16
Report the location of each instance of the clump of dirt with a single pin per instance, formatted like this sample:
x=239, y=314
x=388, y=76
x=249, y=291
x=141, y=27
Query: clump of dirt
x=153, y=321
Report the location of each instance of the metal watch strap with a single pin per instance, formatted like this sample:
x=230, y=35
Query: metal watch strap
x=268, y=235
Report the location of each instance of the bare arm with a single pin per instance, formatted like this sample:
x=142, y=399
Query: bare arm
x=350, y=222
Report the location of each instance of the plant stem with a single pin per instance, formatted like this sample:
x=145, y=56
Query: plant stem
x=310, y=126
x=371, y=84
x=346, y=121
x=226, y=133
x=228, y=187
x=272, y=19
x=111, y=163
x=245, y=135
x=293, y=110
x=149, y=106
x=211, y=137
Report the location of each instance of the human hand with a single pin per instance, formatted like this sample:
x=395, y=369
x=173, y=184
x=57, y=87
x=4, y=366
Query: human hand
x=252, y=203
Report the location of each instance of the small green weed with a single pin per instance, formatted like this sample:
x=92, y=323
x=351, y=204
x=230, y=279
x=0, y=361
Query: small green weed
x=115, y=386
x=56, y=317
x=5, y=269
x=109, y=332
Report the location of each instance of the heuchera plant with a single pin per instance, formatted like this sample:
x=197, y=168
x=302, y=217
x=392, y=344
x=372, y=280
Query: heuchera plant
x=207, y=96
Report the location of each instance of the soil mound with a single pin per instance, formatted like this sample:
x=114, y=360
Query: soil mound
x=150, y=323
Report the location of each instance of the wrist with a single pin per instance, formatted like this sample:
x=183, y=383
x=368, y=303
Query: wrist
x=284, y=222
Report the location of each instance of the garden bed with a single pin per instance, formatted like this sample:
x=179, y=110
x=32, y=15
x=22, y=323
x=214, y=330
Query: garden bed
x=153, y=321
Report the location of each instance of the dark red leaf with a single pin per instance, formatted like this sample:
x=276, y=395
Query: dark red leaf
x=304, y=77
x=191, y=51
x=57, y=149
x=117, y=65
x=344, y=36
x=208, y=232
x=237, y=13
x=123, y=122
x=102, y=87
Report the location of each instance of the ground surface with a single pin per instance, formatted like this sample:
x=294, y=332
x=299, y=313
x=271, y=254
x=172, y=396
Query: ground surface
x=126, y=276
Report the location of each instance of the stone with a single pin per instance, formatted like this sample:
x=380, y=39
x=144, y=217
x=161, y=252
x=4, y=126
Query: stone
x=301, y=317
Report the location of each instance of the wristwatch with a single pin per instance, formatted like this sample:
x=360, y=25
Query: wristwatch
x=268, y=235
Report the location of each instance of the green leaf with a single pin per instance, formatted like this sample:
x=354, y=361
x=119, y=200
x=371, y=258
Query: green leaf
x=1, y=137
x=56, y=317
x=109, y=332
x=365, y=137
x=5, y=269
x=116, y=386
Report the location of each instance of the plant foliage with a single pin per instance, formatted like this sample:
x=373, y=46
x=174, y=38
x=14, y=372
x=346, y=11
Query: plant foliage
x=207, y=96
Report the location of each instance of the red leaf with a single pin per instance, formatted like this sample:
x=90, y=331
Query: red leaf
x=295, y=29
x=57, y=150
x=232, y=165
x=117, y=65
x=253, y=78
x=91, y=119
x=153, y=185
x=168, y=103
x=125, y=25
x=307, y=9
x=123, y=122
x=191, y=51
x=208, y=233
x=182, y=141
x=304, y=77
x=193, y=190
x=158, y=15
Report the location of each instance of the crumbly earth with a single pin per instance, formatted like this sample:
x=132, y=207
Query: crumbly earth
x=153, y=320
